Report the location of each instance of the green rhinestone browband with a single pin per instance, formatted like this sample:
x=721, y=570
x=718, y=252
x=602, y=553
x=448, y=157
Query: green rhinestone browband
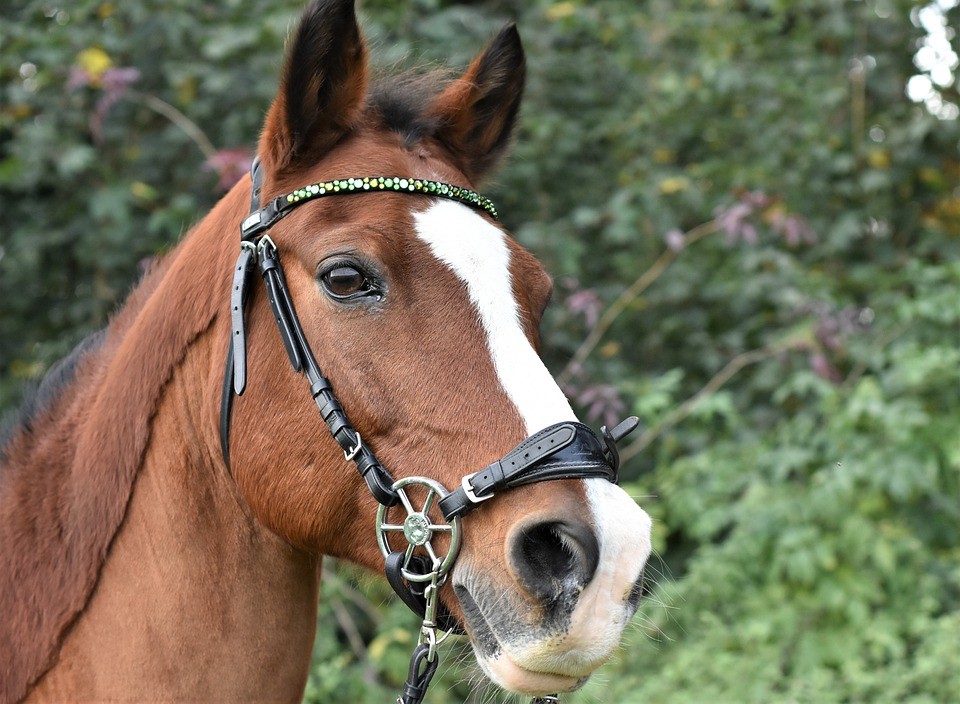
x=261, y=220
x=387, y=183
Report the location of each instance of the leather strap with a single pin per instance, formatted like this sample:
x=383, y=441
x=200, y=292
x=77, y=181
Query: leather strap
x=280, y=302
x=256, y=184
x=612, y=437
x=238, y=302
x=421, y=672
x=563, y=451
x=235, y=373
x=377, y=478
x=415, y=601
x=226, y=406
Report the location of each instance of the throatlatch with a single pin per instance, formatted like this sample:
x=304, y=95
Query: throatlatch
x=567, y=450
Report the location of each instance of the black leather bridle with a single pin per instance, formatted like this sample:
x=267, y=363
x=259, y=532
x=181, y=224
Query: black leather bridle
x=567, y=450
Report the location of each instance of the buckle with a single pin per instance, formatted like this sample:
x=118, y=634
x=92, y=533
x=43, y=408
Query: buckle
x=265, y=242
x=468, y=489
x=348, y=455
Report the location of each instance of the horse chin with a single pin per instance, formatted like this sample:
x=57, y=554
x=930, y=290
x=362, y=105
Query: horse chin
x=506, y=673
x=528, y=659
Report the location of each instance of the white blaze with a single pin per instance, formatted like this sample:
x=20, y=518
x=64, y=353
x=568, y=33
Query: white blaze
x=477, y=253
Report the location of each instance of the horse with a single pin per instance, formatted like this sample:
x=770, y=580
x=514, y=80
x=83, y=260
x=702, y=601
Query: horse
x=147, y=553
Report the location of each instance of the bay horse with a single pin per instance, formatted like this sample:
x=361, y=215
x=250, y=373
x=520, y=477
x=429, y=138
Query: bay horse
x=140, y=561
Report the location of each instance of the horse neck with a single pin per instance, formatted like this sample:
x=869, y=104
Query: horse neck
x=194, y=599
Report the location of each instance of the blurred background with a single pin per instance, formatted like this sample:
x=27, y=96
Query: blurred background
x=751, y=209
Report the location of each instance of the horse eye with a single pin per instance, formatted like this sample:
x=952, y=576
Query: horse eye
x=345, y=281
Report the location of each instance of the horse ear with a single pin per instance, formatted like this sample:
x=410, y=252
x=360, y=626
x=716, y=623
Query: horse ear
x=477, y=112
x=323, y=86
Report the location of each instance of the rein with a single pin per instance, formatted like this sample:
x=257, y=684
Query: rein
x=567, y=450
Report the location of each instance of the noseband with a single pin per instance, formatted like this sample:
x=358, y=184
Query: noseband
x=565, y=450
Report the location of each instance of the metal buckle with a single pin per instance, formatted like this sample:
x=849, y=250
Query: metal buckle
x=349, y=455
x=468, y=489
x=262, y=244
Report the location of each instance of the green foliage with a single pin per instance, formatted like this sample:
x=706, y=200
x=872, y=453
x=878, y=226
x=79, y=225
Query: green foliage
x=89, y=190
x=795, y=359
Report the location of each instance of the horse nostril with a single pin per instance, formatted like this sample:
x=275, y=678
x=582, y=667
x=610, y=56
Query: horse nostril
x=554, y=557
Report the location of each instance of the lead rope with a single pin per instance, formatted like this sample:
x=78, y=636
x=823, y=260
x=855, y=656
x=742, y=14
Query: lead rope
x=425, y=659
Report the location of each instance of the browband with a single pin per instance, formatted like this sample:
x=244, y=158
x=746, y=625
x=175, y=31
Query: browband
x=262, y=219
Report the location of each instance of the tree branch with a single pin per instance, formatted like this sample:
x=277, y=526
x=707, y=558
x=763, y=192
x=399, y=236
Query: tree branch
x=190, y=128
x=643, y=282
x=735, y=365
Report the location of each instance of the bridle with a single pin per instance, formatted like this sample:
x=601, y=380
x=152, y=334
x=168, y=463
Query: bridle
x=567, y=450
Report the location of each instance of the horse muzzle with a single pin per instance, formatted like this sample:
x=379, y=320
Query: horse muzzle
x=557, y=613
x=572, y=581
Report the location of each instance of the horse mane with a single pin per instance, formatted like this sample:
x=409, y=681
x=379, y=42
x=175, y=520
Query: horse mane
x=68, y=467
x=38, y=397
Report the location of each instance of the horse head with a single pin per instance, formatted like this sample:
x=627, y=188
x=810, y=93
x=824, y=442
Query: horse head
x=424, y=314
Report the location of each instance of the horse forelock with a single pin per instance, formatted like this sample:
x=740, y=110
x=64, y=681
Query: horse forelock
x=399, y=103
x=69, y=473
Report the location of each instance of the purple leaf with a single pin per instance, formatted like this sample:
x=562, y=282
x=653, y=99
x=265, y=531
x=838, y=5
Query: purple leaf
x=230, y=166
